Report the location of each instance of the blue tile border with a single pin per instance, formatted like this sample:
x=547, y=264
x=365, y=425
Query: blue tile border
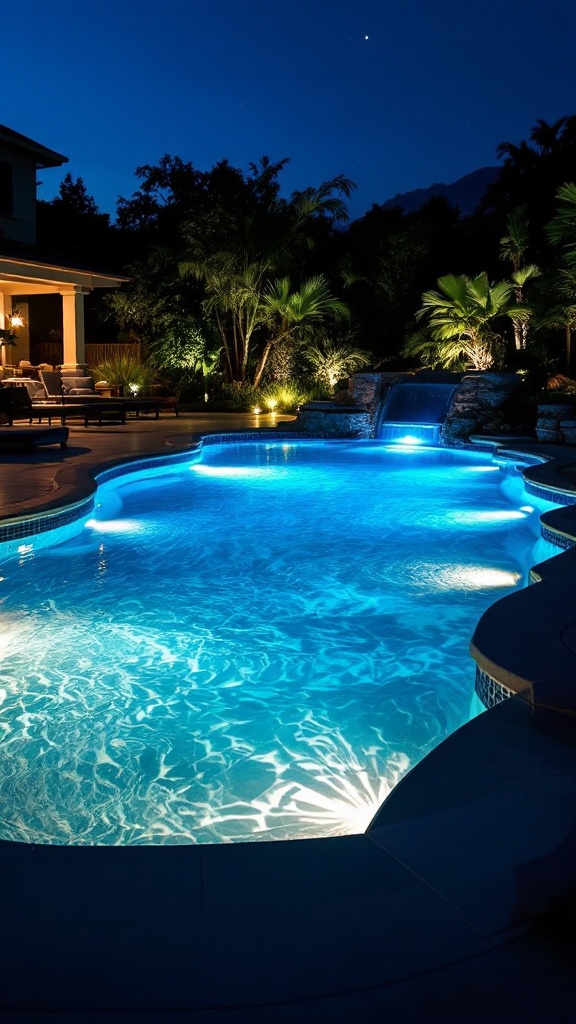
x=559, y=540
x=557, y=497
x=31, y=526
x=45, y=522
x=489, y=690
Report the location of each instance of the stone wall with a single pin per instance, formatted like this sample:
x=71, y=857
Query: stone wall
x=556, y=424
x=478, y=399
x=333, y=419
x=476, y=404
x=369, y=389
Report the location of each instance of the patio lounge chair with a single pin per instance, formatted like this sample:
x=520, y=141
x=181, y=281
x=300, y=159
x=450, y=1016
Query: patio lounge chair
x=52, y=382
x=15, y=403
x=65, y=389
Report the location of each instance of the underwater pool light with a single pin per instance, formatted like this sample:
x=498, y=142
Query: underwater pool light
x=476, y=577
x=227, y=471
x=115, y=526
x=408, y=439
x=469, y=517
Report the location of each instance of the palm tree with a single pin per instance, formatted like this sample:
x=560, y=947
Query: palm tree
x=460, y=317
x=515, y=243
x=513, y=247
x=562, y=228
x=547, y=136
x=252, y=305
x=289, y=313
x=562, y=312
x=234, y=300
x=331, y=361
x=521, y=322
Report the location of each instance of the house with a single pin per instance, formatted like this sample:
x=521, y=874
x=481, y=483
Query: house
x=23, y=271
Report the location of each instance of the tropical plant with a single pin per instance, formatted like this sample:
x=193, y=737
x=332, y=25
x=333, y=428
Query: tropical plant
x=515, y=242
x=242, y=264
x=124, y=370
x=249, y=306
x=234, y=289
x=561, y=230
x=560, y=309
x=331, y=361
x=521, y=322
x=460, y=317
x=293, y=313
x=283, y=397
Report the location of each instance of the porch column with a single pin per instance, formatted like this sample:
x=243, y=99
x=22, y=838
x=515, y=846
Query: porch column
x=73, y=329
x=3, y=306
x=6, y=351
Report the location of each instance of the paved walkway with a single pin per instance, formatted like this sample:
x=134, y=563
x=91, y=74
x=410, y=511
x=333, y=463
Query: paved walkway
x=51, y=475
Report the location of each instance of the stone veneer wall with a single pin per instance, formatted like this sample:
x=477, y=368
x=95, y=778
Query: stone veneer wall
x=556, y=424
x=332, y=419
x=369, y=389
x=476, y=401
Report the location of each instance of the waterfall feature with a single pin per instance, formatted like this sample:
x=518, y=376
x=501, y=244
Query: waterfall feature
x=413, y=413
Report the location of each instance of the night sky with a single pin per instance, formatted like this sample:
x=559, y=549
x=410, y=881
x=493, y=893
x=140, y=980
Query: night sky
x=395, y=94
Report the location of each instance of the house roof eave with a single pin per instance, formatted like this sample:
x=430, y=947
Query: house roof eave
x=23, y=272
x=43, y=156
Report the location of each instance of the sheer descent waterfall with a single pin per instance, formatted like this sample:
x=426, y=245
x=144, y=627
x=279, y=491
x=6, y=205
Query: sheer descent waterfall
x=413, y=413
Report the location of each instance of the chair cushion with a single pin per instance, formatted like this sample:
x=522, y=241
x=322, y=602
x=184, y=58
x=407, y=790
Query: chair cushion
x=78, y=385
x=52, y=381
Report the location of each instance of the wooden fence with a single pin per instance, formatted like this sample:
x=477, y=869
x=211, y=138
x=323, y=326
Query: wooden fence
x=52, y=352
x=97, y=354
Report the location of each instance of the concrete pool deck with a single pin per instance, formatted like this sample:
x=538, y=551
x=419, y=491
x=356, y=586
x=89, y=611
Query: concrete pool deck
x=455, y=907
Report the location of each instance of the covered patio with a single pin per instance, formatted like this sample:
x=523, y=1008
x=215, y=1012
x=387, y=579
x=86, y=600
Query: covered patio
x=21, y=278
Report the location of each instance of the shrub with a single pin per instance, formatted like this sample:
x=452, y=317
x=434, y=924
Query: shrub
x=234, y=397
x=282, y=397
x=123, y=369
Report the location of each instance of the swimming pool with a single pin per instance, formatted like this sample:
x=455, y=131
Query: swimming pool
x=255, y=643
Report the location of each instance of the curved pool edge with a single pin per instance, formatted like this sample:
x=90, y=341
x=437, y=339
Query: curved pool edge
x=72, y=496
x=433, y=910
x=436, y=908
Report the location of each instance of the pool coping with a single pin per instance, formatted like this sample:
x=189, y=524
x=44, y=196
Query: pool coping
x=438, y=905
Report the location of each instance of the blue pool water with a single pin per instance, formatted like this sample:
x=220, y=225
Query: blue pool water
x=256, y=643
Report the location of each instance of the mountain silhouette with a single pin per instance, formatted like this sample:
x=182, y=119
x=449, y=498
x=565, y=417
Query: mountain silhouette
x=465, y=193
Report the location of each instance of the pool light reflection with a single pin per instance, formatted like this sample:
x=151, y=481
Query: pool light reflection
x=470, y=517
x=115, y=526
x=475, y=577
x=409, y=440
x=225, y=471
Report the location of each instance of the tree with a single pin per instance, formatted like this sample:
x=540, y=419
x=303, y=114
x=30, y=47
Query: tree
x=460, y=316
x=331, y=361
x=531, y=174
x=249, y=296
x=514, y=244
x=513, y=247
x=396, y=255
x=71, y=226
x=291, y=313
x=560, y=309
x=561, y=231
